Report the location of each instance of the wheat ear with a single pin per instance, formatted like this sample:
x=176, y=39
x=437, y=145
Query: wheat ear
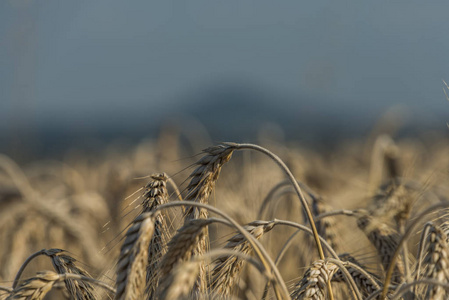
x=133, y=259
x=437, y=261
x=203, y=178
x=65, y=264
x=156, y=194
x=201, y=185
x=228, y=267
x=313, y=285
x=179, y=283
x=181, y=245
x=36, y=287
x=386, y=241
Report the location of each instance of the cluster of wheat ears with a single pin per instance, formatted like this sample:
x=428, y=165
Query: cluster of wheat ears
x=180, y=246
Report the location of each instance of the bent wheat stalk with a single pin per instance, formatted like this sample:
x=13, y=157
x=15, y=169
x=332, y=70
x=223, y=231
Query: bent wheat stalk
x=289, y=241
x=293, y=181
x=284, y=183
x=29, y=259
x=298, y=190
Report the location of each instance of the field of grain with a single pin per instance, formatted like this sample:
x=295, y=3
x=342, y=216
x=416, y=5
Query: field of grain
x=167, y=220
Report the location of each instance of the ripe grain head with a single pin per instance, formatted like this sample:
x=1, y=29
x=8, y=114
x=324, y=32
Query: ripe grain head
x=133, y=259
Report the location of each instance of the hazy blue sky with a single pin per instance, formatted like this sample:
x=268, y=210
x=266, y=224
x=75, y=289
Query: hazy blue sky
x=86, y=64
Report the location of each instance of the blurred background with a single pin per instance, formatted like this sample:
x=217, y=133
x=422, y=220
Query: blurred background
x=85, y=73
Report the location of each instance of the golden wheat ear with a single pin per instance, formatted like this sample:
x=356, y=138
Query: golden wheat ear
x=180, y=282
x=437, y=263
x=36, y=287
x=133, y=259
x=204, y=177
x=181, y=246
x=155, y=195
x=313, y=285
x=227, y=269
x=201, y=185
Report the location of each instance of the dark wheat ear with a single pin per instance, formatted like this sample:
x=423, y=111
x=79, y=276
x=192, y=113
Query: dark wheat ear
x=366, y=282
x=385, y=239
x=133, y=258
x=227, y=269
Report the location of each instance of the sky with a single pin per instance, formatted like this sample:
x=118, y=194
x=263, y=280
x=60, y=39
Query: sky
x=78, y=67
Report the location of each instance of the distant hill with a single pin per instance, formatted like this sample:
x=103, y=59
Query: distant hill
x=228, y=110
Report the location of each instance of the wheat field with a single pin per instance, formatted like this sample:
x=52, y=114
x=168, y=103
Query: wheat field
x=166, y=220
